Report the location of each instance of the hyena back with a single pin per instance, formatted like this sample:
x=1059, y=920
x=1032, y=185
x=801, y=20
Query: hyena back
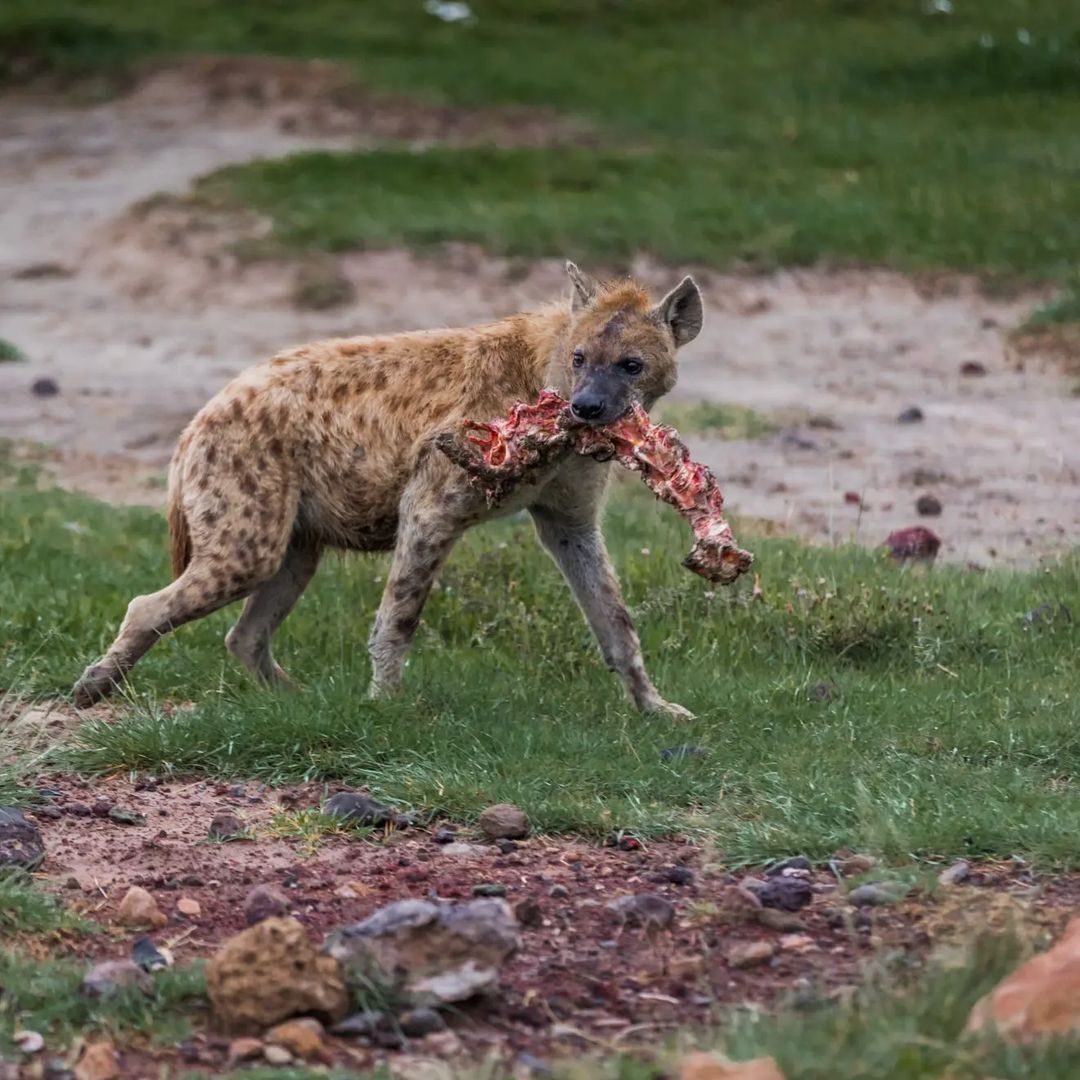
x=331, y=446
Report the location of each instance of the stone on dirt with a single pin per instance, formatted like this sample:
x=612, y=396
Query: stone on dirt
x=796, y=862
x=911, y=415
x=874, y=895
x=928, y=505
x=432, y=952
x=504, y=822
x=139, y=909
x=529, y=913
x=461, y=850
x=98, y=1061
x=122, y=816
x=303, y=1038
x=416, y=1023
x=956, y=874
x=265, y=902
x=245, y=1049
x=785, y=893
x=644, y=909
x=712, y=1067
x=189, y=907
x=1040, y=998
x=737, y=905
x=357, y=809
x=361, y=1024
x=854, y=865
x=277, y=1055
x=271, y=972
x=20, y=840
x=750, y=954
x=225, y=826
x=112, y=976
x=783, y=921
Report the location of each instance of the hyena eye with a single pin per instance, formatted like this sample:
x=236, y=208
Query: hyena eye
x=578, y=358
x=631, y=365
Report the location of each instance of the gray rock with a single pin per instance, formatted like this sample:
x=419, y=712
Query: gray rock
x=461, y=850
x=644, y=909
x=489, y=889
x=796, y=862
x=504, y=822
x=225, y=826
x=358, y=809
x=874, y=895
x=146, y=955
x=785, y=893
x=416, y=1023
x=432, y=952
x=265, y=902
x=363, y=1024
x=911, y=415
x=955, y=874
x=20, y=840
x=113, y=976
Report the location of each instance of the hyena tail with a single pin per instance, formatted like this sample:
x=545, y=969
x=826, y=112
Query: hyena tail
x=179, y=534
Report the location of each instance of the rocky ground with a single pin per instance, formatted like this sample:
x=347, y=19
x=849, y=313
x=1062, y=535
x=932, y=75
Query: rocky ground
x=580, y=947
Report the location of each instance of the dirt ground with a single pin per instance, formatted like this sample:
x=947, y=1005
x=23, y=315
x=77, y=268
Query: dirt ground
x=140, y=313
x=581, y=980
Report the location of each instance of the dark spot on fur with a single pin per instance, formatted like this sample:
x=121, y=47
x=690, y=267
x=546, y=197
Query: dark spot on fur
x=211, y=517
x=378, y=379
x=277, y=448
x=247, y=485
x=407, y=624
x=211, y=455
x=236, y=410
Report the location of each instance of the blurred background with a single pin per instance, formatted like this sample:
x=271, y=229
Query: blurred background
x=880, y=197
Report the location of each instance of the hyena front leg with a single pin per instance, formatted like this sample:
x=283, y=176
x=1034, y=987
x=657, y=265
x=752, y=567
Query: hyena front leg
x=425, y=537
x=577, y=546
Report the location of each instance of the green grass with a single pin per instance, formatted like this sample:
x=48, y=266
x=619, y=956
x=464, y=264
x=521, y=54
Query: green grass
x=714, y=419
x=776, y=132
x=26, y=909
x=44, y=996
x=10, y=353
x=1062, y=309
x=953, y=729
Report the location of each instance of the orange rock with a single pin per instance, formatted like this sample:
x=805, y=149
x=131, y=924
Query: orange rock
x=189, y=907
x=1041, y=997
x=711, y=1067
x=139, y=909
x=303, y=1038
x=98, y=1061
x=244, y=1050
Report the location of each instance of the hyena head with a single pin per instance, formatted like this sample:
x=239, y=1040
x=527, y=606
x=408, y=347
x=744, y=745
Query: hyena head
x=622, y=345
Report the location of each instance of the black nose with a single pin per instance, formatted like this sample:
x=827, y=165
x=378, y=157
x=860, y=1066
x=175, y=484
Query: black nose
x=588, y=408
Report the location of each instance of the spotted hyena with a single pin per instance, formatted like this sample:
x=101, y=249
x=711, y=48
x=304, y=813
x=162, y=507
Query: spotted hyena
x=331, y=446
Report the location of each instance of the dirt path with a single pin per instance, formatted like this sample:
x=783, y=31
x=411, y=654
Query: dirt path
x=140, y=316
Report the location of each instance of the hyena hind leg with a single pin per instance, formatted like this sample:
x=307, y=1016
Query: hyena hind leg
x=199, y=590
x=267, y=608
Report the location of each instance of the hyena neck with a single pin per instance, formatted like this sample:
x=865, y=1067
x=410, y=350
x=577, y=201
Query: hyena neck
x=549, y=340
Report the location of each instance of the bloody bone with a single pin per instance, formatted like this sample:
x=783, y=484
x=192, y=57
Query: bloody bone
x=501, y=454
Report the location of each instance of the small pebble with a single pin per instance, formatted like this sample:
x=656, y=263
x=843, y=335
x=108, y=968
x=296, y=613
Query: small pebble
x=796, y=862
x=972, y=368
x=45, y=387
x=416, y=1023
x=558, y=892
x=506, y=847
x=928, y=505
x=529, y=914
x=911, y=415
x=750, y=954
x=277, y=1055
x=644, y=909
x=489, y=889
x=785, y=893
x=956, y=874
x=872, y=895
x=225, y=826
x=445, y=836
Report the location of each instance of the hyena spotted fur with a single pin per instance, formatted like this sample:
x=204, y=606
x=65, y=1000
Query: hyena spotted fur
x=331, y=446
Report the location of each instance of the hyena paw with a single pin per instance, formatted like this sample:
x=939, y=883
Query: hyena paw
x=95, y=683
x=669, y=708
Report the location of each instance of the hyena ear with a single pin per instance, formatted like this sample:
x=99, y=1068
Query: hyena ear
x=584, y=288
x=681, y=310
